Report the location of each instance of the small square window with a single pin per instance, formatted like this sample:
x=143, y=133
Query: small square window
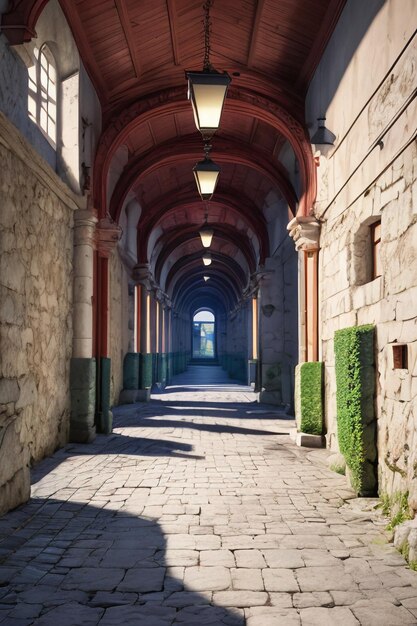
x=400, y=357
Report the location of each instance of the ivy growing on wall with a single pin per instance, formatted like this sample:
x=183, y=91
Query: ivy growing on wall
x=311, y=398
x=355, y=380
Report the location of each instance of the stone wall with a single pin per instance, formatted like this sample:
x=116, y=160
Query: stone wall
x=119, y=332
x=36, y=242
x=370, y=175
x=278, y=309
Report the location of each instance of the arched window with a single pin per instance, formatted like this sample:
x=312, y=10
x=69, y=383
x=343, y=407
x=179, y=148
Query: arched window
x=42, y=95
x=204, y=337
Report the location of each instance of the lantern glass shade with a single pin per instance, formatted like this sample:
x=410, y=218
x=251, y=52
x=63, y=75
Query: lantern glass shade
x=207, y=258
x=206, y=235
x=206, y=174
x=207, y=92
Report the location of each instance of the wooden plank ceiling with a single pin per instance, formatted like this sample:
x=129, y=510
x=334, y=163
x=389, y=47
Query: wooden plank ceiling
x=141, y=48
x=135, y=50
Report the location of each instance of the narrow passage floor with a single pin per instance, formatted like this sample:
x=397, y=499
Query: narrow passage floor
x=198, y=509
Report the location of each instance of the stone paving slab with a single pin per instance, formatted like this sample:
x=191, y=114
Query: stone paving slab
x=198, y=509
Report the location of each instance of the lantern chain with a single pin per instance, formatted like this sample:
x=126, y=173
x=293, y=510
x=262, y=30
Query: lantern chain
x=207, y=26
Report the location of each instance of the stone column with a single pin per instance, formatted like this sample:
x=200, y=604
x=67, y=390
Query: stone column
x=305, y=232
x=108, y=234
x=83, y=365
x=161, y=334
x=168, y=337
x=84, y=244
x=143, y=276
x=271, y=331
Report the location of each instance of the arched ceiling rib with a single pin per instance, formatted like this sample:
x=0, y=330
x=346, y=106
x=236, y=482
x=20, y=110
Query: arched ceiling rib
x=221, y=264
x=239, y=103
x=188, y=152
x=222, y=208
x=226, y=237
x=197, y=294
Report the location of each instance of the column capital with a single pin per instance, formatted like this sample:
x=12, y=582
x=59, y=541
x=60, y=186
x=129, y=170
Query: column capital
x=85, y=222
x=108, y=234
x=256, y=279
x=305, y=232
x=162, y=298
x=142, y=275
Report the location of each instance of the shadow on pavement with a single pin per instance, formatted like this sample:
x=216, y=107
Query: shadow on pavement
x=66, y=563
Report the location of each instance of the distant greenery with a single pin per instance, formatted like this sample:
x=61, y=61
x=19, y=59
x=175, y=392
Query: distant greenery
x=355, y=379
x=311, y=398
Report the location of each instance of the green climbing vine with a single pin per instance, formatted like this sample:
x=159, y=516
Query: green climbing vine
x=355, y=380
x=311, y=398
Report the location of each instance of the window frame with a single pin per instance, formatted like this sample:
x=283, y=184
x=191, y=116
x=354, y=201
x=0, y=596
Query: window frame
x=43, y=93
x=375, y=233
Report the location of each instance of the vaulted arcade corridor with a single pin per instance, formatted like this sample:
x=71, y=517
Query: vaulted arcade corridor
x=208, y=239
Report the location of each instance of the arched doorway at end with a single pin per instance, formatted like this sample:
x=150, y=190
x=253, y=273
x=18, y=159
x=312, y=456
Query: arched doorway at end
x=204, y=335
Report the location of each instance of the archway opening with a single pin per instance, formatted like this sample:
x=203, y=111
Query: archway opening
x=204, y=335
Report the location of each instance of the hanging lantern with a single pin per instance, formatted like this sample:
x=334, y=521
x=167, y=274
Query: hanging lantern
x=206, y=173
x=207, y=89
x=207, y=92
x=206, y=235
x=207, y=258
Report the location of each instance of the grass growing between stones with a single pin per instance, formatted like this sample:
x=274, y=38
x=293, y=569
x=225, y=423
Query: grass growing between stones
x=396, y=508
x=339, y=469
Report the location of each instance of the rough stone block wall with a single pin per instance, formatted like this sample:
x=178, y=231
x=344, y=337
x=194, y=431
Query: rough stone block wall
x=279, y=326
x=389, y=302
x=36, y=241
x=372, y=175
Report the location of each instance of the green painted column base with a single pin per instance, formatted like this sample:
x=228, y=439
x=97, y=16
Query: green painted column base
x=146, y=370
x=131, y=366
x=252, y=371
x=162, y=368
x=83, y=398
x=105, y=416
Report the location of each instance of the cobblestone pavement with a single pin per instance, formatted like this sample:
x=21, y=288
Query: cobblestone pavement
x=198, y=510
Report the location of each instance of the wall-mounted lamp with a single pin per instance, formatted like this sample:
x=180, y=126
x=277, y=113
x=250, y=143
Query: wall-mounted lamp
x=207, y=258
x=268, y=309
x=207, y=89
x=323, y=136
x=206, y=173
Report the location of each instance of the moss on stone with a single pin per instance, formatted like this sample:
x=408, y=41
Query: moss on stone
x=355, y=379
